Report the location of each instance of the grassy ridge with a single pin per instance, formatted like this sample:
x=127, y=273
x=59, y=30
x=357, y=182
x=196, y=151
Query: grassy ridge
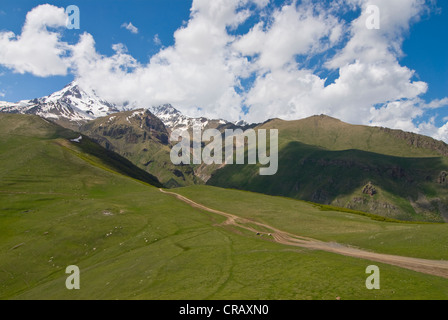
x=406, y=188
x=332, y=134
x=28, y=129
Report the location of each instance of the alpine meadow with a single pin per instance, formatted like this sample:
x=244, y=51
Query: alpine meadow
x=216, y=152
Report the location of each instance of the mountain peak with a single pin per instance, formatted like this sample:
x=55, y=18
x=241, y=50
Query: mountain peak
x=73, y=106
x=70, y=106
x=166, y=109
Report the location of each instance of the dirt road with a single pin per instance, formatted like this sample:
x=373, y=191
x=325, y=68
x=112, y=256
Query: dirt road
x=432, y=267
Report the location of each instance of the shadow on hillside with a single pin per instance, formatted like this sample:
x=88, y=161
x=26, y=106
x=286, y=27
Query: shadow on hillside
x=319, y=175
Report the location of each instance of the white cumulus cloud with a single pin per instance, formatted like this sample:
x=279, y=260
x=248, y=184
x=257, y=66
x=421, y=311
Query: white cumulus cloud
x=38, y=49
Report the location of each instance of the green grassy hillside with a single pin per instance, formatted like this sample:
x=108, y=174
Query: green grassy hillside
x=335, y=135
x=23, y=135
x=324, y=160
x=61, y=206
x=331, y=224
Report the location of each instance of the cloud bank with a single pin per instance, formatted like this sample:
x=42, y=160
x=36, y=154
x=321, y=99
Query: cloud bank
x=296, y=60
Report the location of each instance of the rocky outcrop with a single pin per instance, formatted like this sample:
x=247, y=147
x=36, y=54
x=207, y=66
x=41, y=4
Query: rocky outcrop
x=132, y=126
x=369, y=189
x=419, y=141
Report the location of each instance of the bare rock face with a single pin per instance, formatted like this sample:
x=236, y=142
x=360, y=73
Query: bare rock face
x=133, y=127
x=369, y=189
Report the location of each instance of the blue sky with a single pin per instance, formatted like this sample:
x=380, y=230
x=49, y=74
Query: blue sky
x=251, y=59
x=426, y=50
x=103, y=19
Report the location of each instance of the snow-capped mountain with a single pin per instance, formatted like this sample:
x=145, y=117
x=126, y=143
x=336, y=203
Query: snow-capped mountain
x=70, y=104
x=174, y=119
x=74, y=106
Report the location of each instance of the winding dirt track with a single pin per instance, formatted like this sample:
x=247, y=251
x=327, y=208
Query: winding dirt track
x=432, y=267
